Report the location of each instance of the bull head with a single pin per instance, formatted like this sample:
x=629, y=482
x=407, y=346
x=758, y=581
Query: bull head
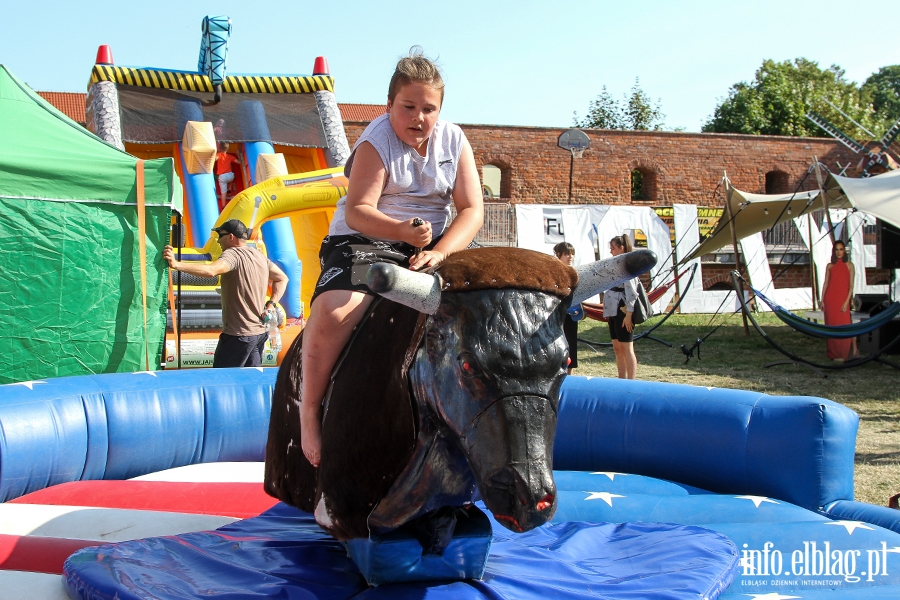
x=489, y=372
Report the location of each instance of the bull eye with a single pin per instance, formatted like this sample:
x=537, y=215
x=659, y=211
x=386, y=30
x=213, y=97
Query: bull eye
x=468, y=364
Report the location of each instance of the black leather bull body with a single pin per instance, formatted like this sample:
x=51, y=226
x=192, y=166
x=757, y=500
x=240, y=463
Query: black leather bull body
x=451, y=387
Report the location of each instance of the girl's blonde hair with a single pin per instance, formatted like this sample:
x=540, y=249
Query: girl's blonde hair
x=415, y=67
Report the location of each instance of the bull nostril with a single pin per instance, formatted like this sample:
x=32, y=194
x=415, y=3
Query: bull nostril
x=545, y=502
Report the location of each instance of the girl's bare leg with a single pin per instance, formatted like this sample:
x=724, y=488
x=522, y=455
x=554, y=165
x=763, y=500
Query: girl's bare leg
x=630, y=359
x=327, y=330
x=620, y=358
x=626, y=360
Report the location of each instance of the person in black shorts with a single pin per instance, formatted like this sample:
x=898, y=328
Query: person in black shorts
x=345, y=260
x=618, y=305
x=405, y=171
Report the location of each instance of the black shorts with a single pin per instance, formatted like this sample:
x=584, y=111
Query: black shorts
x=617, y=330
x=345, y=260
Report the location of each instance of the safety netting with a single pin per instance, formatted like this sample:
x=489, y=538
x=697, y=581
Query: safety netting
x=156, y=115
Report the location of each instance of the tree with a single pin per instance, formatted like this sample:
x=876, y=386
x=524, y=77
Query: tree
x=635, y=112
x=603, y=113
x=640, y=113
x=883, y=88
x=781, y=94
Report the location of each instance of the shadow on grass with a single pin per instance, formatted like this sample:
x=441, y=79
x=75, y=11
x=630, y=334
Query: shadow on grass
x=731, y=358
x=878, y=457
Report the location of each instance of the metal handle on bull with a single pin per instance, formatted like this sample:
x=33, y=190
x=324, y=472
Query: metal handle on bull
x=599, y=276
x=416, y=290
x=416, y=223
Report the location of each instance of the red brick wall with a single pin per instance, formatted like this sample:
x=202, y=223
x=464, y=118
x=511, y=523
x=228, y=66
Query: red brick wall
x=795, y=276
x=687, y=166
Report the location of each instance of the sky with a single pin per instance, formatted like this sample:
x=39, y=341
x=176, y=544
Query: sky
x=504, y=62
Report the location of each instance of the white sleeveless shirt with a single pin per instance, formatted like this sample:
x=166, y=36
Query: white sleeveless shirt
x=417, y=186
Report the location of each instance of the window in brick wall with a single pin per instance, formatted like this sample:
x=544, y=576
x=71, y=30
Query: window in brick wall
x=778, y=182
x=491, y=176
x=496, y=181
x=643, y=185
x=637, y=185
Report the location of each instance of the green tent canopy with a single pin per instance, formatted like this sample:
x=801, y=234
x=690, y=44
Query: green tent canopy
x=71, y=298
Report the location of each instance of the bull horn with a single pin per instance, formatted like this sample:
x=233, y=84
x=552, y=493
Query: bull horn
x=416, y=290
x=599, y=276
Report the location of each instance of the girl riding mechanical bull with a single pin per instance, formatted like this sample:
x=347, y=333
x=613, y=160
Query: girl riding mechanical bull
x=405, y=170
x=451, y=383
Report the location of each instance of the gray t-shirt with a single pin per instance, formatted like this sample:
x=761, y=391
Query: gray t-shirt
x=417, y=186
x=244, y=291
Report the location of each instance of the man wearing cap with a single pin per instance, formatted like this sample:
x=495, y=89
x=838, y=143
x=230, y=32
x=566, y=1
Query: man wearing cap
x=245, y=276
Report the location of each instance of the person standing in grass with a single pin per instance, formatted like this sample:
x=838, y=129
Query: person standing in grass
x=618, y=306
x=837, y=293
x=565, y=252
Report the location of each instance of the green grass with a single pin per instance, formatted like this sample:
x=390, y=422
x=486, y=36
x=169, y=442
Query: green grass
x=730, y=359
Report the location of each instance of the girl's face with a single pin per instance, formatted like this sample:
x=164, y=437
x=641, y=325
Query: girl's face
x=413, y=114
x=839, y=250
x=615, y=250
x=566, y=259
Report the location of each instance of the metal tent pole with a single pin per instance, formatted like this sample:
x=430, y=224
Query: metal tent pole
x=737, y=252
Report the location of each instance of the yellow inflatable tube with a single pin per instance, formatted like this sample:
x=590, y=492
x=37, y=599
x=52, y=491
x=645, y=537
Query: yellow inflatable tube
x=308, y=199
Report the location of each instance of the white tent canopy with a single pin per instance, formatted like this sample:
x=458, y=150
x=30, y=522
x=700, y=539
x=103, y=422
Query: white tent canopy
x=753, y=213
x=878, y=196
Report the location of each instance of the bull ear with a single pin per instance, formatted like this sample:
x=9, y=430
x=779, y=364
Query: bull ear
x=416, y=290
x=601, y=275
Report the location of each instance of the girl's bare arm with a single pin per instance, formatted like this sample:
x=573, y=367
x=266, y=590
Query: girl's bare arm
x=469, y=213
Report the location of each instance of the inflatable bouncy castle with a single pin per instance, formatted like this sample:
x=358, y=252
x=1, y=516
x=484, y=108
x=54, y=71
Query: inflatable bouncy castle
x=283, y=126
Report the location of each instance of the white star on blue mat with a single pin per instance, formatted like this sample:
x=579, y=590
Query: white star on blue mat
x=150, y=373
x=757, y=500
x=851, y=526
x=29, y=384
x=260, y=369
x=605, y=496
x=771, y=596
x=610, y=474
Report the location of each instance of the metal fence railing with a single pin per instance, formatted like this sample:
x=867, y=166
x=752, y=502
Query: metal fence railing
x=499, y=228
x=783, y=234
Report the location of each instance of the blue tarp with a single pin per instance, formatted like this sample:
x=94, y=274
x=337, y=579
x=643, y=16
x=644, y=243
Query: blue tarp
x=284, y=554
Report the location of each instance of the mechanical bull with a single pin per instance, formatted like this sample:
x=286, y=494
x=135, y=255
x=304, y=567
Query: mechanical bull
x=449, y=385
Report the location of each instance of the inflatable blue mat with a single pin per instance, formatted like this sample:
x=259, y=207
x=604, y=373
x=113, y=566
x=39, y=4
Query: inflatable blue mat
x=284, y=554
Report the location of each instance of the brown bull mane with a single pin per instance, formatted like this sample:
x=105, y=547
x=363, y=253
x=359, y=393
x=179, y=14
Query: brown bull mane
x=506, y=268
